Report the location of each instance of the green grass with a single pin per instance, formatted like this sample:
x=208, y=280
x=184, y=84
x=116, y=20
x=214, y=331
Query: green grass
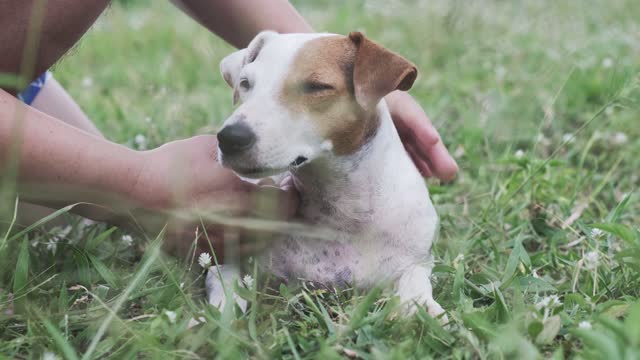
x=538, y=100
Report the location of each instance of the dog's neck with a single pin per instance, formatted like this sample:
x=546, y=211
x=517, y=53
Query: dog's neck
x=352, y=187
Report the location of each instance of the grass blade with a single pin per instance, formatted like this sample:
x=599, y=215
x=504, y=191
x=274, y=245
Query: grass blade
x=95, y=241
x=44, y=220
x=154, y=253
x=104, y=271
x=58, y=339
x=21, y=276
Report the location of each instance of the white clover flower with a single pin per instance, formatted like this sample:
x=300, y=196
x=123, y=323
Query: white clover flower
x=543, y=303
x=607, y=62
x=590, y=260
x=248, y=281
x=85, y=223
x=58, y=234
x=137, y=21
x=555, y=301
x=595, y=232
x=48, y=355
x=548, y=302
x=127, y=240
x=519, y=153
x=608, y=111
x=87, y=81
x=619, y=138
x=171, y=315
x=52, y=245
x=585, y=325
x=140, y=141
x=63, y=233
x=204, y=260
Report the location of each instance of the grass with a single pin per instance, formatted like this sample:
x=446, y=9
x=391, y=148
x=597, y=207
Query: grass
x=539, y=252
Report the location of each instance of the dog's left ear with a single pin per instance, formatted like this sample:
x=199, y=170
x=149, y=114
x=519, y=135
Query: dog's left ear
x=232, y=64
x=230, y=68
x=378, y=71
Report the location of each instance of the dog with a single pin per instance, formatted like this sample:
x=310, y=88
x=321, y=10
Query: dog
x=312, y=105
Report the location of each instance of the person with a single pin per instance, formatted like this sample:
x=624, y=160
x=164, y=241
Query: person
x=58, y=157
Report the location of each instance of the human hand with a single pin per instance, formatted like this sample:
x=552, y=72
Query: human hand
x=183, y=186
x=420, y=138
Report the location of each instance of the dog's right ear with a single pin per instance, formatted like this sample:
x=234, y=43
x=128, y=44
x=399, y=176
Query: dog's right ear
x=378, y=71
x=232, y=64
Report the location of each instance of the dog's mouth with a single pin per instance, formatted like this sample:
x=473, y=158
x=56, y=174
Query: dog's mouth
x=257, y=173
x=299, y=161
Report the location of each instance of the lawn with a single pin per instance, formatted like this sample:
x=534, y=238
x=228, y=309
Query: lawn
x=539, y=248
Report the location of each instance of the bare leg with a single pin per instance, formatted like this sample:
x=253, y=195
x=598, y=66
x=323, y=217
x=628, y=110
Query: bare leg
x=55, y=101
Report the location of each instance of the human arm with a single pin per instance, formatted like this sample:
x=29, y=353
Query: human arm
x=56, y=164
x=36, y=34
x=59, y=165
x=239, y=21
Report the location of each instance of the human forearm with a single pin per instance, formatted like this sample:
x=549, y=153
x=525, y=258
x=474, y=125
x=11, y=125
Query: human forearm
x=58, y=164
x=238, y=21
x=37, y=33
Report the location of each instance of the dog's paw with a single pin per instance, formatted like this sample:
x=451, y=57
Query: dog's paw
x=437, y=312
x=217, y=281
x=432, y=307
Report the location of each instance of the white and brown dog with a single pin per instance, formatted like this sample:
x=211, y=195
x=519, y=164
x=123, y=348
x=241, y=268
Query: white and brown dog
x=312, y=106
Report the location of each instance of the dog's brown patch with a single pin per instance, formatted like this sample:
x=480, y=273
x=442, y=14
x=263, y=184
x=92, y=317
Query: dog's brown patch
x=338, y=81
x=335, y=111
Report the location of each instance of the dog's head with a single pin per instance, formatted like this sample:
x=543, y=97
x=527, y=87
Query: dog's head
x=304, y=96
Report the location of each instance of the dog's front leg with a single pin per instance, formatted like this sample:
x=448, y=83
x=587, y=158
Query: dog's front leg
x=219, y=284
x=414, y=289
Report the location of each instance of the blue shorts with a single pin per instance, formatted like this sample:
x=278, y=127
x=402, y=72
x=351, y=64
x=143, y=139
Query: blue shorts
x=29, y=94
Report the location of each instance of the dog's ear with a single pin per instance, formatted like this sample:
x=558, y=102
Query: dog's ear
x=230, y=68
x=378, y=71
x=232, y=65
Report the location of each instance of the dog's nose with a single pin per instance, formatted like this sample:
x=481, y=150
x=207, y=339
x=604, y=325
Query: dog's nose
x=235, y=138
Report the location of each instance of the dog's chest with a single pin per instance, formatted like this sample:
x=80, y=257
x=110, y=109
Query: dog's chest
x=332, y=263
x=327, y=262
x=373, y=254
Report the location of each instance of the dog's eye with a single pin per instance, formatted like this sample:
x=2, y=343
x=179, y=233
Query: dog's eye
x=245, y=84
x=312, y=87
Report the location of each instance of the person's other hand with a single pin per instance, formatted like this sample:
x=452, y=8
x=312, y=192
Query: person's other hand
x=420, y=138
x=183, y=180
